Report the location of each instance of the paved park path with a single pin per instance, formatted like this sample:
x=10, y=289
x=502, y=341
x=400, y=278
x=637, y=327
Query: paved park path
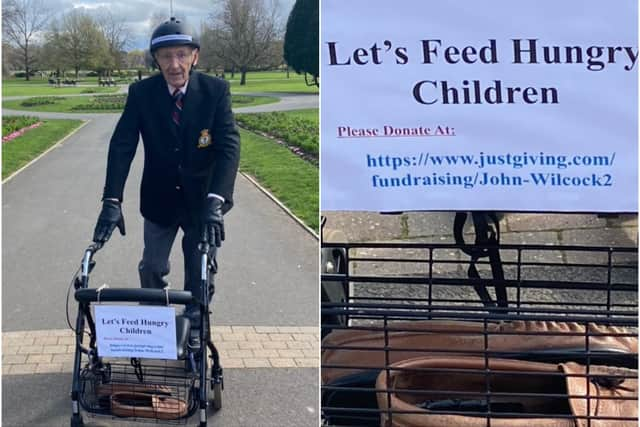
x=265, y=307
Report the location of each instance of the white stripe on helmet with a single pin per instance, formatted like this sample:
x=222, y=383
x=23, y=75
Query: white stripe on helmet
x=168, y=37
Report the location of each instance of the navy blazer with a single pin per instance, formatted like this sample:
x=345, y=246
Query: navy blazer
x=180, y=167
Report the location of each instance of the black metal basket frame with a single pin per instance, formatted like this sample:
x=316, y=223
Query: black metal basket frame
x=138, y=376
x=612, y=289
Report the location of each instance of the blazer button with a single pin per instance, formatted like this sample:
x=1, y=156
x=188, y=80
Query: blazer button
x=178, y=187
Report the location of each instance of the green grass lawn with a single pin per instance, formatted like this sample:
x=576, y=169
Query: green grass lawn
x=263, y=75
x=66, y=105
x=23, y=149
x=37, y=80
x=291, y=179
x=45, y=89
x=270, y=81
x=259, y=81
x=22, y=81
x=281, y=85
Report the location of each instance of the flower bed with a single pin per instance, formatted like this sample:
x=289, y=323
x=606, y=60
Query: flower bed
x=295, y=131
x=104, y=102
x=13, y=127
x=14, y=123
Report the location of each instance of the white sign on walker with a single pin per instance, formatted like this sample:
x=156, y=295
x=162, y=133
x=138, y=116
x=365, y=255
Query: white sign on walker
x=136, y=331
x=492, y=105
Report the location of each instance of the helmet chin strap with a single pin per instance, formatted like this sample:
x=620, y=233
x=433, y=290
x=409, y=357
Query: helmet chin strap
x=155, y=62
x=193, y=63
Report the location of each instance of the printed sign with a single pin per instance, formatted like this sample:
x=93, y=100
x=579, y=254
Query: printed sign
x=136, y=331
x=492, y=105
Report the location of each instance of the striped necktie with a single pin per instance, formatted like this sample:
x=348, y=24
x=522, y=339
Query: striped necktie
x=177, y=107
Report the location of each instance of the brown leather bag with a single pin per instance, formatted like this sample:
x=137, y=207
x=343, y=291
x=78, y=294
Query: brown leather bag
x=107, y=389
x=430, y=387
x=144, y=405
x=452, y=338
x=104, y=391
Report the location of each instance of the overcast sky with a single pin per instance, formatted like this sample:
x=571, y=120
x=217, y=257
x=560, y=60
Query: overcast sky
x=137, y=13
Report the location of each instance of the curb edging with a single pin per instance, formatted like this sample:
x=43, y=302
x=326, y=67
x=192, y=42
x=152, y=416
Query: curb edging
x=281, y=205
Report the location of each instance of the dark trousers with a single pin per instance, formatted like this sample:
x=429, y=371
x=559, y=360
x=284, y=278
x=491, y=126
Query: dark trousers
x=155, y=265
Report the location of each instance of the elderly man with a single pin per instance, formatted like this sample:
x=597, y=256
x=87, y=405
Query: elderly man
x=191, y=154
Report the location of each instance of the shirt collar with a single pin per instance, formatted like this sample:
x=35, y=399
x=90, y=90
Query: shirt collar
x=183, y=89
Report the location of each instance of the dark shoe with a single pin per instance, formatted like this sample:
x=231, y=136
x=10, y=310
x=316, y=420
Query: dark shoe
x=436, y=392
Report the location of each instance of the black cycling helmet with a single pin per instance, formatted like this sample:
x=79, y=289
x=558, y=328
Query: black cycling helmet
x=173, y=32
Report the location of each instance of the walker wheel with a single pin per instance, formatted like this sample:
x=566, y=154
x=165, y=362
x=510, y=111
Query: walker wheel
x=216, y=384
x=217, y=397
x=76, y=421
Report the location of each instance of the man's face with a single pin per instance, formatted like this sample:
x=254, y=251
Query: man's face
x=175, y=63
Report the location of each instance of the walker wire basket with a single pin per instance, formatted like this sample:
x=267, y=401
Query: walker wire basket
x=416, y=335
x=141, y=390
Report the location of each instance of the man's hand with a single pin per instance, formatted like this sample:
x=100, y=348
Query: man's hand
x=212, y=220
x=110, y=217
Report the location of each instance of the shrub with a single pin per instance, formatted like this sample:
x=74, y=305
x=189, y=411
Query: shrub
x=41, y=100
x=120, y=99
x=239, y=100
x=22, y=74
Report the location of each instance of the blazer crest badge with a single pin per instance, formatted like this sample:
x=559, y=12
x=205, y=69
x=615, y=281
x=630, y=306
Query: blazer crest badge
x=205, y=139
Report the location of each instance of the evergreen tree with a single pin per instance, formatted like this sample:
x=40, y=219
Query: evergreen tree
x=301, y=39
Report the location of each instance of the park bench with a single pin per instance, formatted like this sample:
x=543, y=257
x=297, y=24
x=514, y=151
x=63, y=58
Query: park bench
x=107, y=82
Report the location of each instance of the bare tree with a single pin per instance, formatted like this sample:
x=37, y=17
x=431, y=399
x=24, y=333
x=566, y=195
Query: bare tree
x=244, y=33
x=22, y=20
x=136, y=59
x=209, y=60
x=10, y=58
x=117, y=35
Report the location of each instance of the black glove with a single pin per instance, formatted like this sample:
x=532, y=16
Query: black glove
x=212, y=220
x=110, y=217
